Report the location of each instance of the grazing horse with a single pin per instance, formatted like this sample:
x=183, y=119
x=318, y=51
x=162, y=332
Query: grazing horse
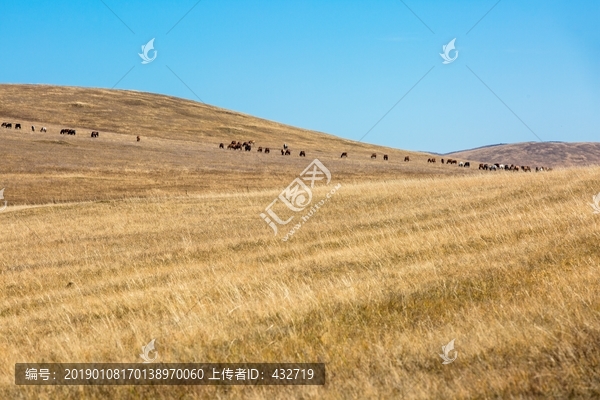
x=442, y=160
x=385, y=157
x=282, y=152
x=461, y=164
x=221, y=146
x=43, y=129
x=259, y=150
x=267, y=150
x=374, y=155
x=138, y=139
x=247, y=147
x=302, y=154
x=288, y=152
x=231, y=146
x=344, y=155
x=468, y=164
x=32, y=128
x=9, y=125
x=406, y=158
x=431, y=160
x=285, y=146
x=95, y=134
x=17, y=126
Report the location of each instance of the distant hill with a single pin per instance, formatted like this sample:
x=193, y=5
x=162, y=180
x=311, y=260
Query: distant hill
x=552, y=154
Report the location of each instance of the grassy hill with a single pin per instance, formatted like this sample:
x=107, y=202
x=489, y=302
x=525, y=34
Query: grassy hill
x=551, y=154
x=178, y=153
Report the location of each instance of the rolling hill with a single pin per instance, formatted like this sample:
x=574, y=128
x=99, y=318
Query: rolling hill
x=551, y=154
x=178, y=153
x=155, y=116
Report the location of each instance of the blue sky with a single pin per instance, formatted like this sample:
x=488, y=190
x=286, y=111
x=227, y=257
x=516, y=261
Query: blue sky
x=526, y=71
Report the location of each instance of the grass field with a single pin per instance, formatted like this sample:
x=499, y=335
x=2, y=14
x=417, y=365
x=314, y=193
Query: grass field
x=107, y=244
x=372, y=285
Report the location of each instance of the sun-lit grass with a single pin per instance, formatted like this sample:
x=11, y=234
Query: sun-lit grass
x=373, y=285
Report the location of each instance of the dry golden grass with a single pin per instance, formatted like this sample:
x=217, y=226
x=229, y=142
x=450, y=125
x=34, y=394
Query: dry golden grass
x=373, y=285
x=162, y=239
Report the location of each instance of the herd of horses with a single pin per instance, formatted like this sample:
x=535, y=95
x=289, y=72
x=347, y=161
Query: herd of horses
x=64, y=131
x=492, y=167
x=9, y=125
x=285, y=151
x=512, y=167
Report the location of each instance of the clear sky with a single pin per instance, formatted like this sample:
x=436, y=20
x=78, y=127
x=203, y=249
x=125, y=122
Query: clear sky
x=525, y=71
